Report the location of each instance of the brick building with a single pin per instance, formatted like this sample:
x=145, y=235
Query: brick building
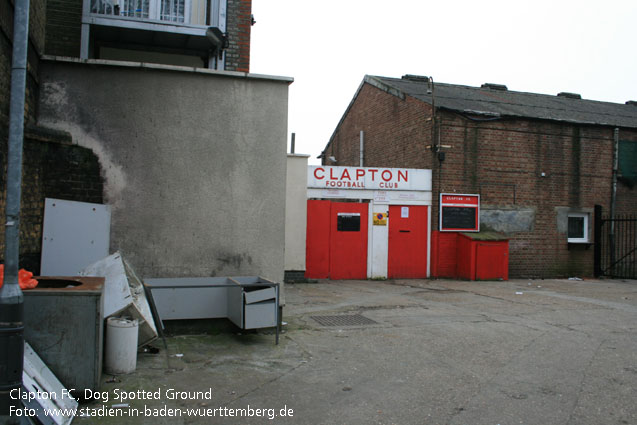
x=538, y=162
x=199, y=33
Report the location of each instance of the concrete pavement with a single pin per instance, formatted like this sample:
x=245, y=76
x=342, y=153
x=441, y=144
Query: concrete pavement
x=431, y=352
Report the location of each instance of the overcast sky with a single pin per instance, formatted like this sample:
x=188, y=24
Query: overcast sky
x=586, y=47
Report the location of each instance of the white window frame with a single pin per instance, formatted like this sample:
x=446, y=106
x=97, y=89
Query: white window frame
x=586, y=218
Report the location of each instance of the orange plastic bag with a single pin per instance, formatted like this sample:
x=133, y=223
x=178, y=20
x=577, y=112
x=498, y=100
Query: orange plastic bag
x=25, y=278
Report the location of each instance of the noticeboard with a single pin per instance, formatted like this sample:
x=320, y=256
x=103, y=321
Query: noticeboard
x=459, y=212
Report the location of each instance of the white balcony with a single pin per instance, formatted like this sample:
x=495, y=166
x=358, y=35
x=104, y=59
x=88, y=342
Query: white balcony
x=168, y=27
x=186, y=12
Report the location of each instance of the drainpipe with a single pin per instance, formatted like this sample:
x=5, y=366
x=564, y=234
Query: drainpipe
x=362, y=147
x=11, y=299
x=613, y=199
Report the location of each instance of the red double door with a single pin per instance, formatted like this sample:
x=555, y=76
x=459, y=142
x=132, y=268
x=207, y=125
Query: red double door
x=337, y=240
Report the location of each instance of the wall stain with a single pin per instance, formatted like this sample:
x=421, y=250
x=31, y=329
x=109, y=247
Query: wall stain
x=231, y=262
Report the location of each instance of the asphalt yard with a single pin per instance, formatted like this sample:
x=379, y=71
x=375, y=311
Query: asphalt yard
x=401, y=352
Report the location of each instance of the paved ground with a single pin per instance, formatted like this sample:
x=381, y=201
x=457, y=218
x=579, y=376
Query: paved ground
x=437, y=352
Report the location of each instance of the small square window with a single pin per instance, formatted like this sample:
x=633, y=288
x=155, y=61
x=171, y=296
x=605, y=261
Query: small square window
x=348, y=222
x=577, y=228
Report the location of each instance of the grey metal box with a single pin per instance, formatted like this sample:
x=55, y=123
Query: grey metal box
x=190, y=297
x=260, y=315
x=250, y=302
x=258, y=295
x=64, y=323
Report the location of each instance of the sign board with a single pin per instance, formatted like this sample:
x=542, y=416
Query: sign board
x=379, y=219
x=386, y=179
x=459, y=212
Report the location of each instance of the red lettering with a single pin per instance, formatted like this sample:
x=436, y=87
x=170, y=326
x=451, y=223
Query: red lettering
x=345, y=175
x=386, y=178
x=360, y=173
x=316, y=176
x=373, y=173
x=332, y=176
x=404, y=176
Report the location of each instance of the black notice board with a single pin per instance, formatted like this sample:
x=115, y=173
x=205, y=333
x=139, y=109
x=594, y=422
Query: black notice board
x=459, y=218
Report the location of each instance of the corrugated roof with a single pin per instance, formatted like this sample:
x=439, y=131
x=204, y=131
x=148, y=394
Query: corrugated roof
x=494, y=102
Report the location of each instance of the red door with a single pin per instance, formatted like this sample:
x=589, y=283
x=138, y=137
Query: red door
x=348, y=240
x=492, y=261
x=317, y=241
x=407, y=257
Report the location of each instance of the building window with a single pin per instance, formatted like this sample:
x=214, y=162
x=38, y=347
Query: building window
x=577, y=228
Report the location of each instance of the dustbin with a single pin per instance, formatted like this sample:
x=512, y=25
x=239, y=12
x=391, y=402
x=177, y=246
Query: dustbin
x=121, y=345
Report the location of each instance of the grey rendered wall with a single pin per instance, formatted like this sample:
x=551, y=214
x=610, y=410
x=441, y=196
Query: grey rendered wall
x=296, y=212
x=194, y=162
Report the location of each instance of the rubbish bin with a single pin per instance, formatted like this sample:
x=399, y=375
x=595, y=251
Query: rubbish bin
x=121, y=345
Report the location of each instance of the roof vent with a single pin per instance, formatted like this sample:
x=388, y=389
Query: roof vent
x=492, y=86
x=632, y=102
x=412, y=77
x=569, y=95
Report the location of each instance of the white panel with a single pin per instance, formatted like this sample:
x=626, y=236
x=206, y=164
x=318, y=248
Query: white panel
x=75, y=234
x=379, y=242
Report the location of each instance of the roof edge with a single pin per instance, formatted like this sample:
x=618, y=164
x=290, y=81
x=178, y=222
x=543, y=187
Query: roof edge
x=162, y=67
x=374, y=82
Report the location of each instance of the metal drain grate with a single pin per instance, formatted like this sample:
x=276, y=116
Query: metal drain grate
x=344, y=320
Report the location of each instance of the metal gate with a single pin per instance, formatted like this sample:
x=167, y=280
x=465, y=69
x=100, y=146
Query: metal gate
x=615, y=245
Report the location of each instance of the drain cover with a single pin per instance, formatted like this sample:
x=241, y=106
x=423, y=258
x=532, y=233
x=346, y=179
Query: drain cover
x=344, y=320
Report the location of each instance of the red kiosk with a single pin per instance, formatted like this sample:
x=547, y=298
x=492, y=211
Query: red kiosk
x=462, y=250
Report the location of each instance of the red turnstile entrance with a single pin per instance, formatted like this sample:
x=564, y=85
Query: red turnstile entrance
x=336, y=240
x=407, y=256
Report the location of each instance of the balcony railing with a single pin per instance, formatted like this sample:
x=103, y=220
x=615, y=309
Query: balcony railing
x=187, y=12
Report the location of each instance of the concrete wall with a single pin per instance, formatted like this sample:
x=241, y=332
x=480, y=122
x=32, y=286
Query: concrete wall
x=194, y=162
x=526, y=171
x=296, y=213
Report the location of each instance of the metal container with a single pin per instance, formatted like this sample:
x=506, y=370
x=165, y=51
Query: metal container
x=63, y=322
x=121, y=345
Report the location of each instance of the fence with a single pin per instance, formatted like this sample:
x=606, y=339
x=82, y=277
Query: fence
x=615, y=245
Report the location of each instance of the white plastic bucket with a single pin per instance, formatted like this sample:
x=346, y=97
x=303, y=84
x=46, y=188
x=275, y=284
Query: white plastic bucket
x=121, y=346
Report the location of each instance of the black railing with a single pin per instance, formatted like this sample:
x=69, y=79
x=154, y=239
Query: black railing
x=615, y=245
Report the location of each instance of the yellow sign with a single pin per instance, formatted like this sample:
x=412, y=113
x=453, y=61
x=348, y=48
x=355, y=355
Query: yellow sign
x=380, y=219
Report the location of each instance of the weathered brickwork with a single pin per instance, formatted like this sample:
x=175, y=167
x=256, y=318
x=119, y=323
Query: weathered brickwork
x=30, y=239
x=50, y=170
x=36, y=46
x=239, y=24
x=63, y=27
x=502, y=160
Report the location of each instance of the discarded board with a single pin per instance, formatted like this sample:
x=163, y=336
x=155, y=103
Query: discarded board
x=47, y=392
x=124, y=294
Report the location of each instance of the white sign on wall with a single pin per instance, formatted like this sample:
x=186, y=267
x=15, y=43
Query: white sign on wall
x=328, y=177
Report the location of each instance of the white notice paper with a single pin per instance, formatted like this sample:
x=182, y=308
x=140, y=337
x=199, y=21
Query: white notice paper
x=404, y=212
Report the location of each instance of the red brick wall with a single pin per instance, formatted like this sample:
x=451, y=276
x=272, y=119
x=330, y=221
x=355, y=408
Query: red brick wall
x=503, y=161
x=239, y=26
x=395, y=131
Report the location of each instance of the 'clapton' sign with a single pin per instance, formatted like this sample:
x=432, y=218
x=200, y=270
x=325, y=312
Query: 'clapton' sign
x=327, y=177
